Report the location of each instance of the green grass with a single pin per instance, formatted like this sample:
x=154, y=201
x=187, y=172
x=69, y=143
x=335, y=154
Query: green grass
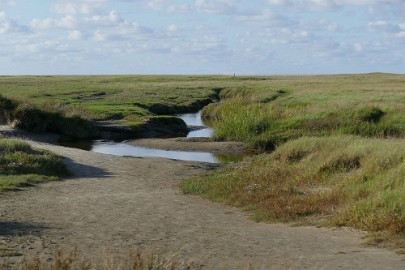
x=344, y=180
x=117, y=97
x=335, y=145
x=67, y=105
x=369, y=105
x=21, y=165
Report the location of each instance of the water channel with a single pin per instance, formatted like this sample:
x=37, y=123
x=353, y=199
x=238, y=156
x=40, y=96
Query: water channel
x=198, y=127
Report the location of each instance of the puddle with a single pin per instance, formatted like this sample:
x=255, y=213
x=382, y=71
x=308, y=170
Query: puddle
x=123, y=149
x=202, y=129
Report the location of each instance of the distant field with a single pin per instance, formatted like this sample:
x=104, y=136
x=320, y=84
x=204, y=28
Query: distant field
x=117, y=97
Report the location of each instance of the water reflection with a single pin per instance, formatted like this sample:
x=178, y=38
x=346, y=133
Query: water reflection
x=123, y=149
x=200, y=127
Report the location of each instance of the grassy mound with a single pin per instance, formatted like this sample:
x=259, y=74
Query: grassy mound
x=61, y=119
x=21, y=165
x=345, y=180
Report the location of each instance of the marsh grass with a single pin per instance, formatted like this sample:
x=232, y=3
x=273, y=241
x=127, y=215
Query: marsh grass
x=369, y=105
x=68, y=105
x=118, y=97
x=341, y=180
x=22, y=166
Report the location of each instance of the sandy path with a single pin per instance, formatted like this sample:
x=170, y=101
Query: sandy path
x=118, y=203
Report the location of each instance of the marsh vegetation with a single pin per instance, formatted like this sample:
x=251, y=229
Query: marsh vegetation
x=332, y=147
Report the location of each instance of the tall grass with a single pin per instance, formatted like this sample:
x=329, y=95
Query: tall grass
x=70, y=122
x=366, y=105
x=337, y=146
x=342, y=180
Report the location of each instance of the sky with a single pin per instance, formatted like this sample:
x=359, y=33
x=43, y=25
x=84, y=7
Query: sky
x=255, y=37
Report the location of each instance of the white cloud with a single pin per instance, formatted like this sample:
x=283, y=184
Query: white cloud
x=267, y=18
x=75, y=35
x=78, y=7
x=315, y=5
x=382, y=26
x=111, y=19
x=329, y=5
x=10, y=25
x=66, y=22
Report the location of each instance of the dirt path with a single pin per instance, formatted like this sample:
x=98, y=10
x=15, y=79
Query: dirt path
x=118, y=203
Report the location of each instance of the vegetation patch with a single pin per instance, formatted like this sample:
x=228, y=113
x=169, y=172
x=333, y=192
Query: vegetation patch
x=135, y=260
x=291, y=107
x=21, y=165
x=337, y=180
x=130, y=99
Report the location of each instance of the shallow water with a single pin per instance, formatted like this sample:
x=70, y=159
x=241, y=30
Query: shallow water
x=203, y=128
x=123, y=149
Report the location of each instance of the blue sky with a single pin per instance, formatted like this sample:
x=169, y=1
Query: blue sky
x=201, y=36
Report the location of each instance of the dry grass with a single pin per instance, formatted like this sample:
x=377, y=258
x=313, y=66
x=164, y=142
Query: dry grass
x=71, y=260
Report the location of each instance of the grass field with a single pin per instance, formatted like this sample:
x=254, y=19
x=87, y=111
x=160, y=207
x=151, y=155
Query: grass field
x=336, y=151
x=68, y=104
x=116, y=97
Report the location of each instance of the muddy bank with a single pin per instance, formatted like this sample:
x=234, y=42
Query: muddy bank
x=192, y=144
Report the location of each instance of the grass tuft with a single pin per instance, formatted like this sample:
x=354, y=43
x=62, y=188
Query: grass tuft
x=22, y=166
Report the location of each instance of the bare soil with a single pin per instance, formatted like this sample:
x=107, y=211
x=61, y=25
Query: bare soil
x=116, y=204
x=192, y=144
